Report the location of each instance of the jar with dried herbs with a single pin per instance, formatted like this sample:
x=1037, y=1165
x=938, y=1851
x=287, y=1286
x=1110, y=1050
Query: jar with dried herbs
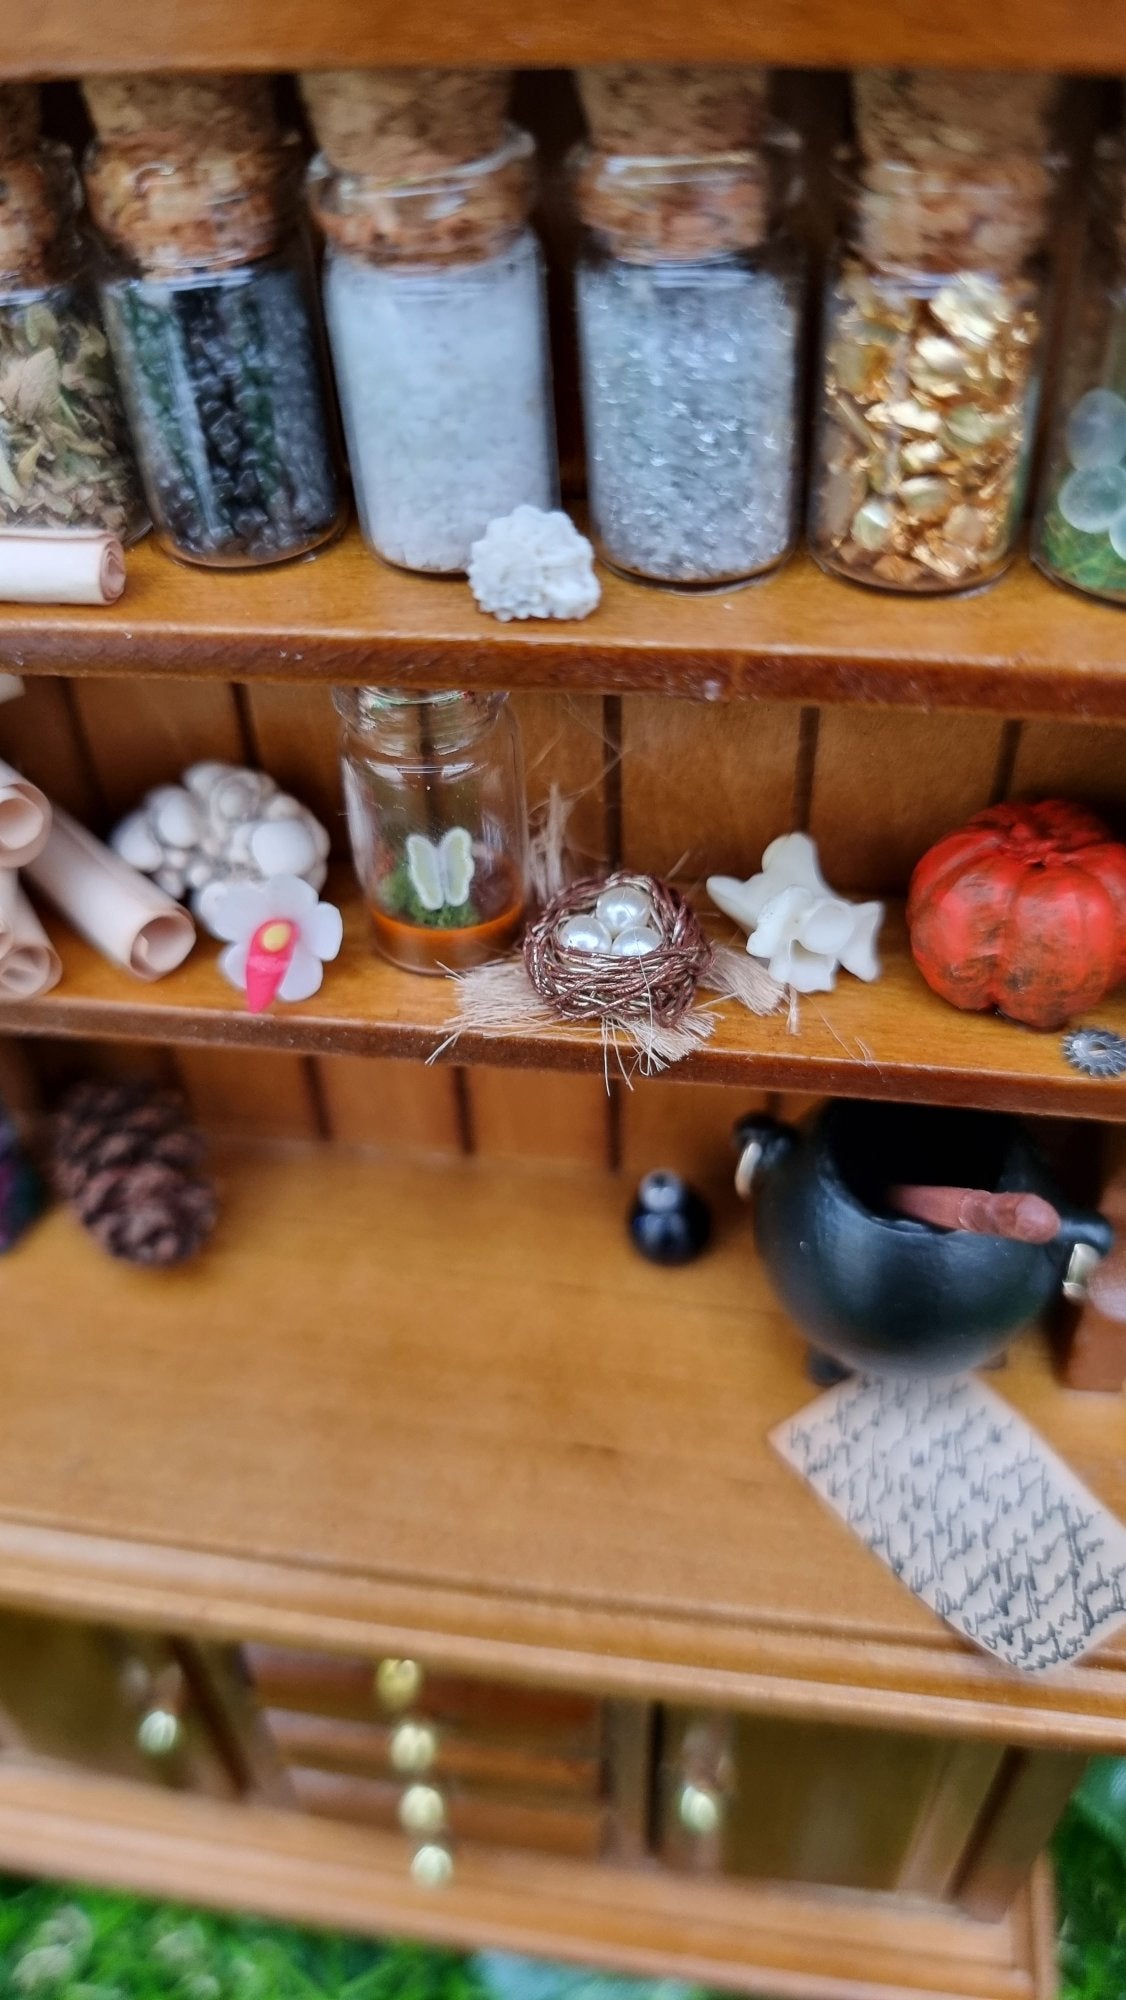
x=434, y=790
x=689, y=298
x=436, y=309
x=65, y=456
x=1080, y=532
x=931, y=371
x=211, y=309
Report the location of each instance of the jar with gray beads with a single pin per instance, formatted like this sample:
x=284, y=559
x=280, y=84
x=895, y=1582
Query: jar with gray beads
x=690, y=295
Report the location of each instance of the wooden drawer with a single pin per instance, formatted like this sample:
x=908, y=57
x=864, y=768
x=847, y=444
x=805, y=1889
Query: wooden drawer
x=443, y=1756
x=854, y=1808
x=568, y=1827
x=126, y=1705
x=323, y=1684
x=366, y=1749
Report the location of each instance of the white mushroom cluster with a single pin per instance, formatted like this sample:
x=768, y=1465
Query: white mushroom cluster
x=533, y=564
x=221, y=824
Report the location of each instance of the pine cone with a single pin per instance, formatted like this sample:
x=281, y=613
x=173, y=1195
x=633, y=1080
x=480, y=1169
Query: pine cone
x=128, y=1161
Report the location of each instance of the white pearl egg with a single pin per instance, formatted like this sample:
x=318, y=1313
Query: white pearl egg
x=623, y=909
x=636, y=942
x=585, y=935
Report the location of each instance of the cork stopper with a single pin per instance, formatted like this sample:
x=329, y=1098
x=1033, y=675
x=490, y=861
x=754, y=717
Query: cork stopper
x=932, y=115
x=206, y=210
x=19, y=120
x=681, y=210
x=405, y=124
x=460, y=215
x=39, y=199
x=683, y=110
x=180, y=111
x=909, y=216
x=954, y=170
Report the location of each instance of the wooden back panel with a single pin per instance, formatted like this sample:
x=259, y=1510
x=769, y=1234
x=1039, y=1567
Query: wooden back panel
x=682, y=787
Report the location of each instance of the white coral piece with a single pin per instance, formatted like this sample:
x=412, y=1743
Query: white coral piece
x=796, y=922
x=221, y=823
x=532, y=564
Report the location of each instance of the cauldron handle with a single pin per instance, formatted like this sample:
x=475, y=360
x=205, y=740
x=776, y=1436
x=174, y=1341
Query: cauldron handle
x=760, y=1143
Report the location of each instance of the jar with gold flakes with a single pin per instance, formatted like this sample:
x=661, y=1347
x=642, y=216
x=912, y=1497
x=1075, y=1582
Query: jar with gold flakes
x=931, y=368
x=1080, y=532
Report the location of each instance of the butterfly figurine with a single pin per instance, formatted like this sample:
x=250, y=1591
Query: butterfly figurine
x=441, y=870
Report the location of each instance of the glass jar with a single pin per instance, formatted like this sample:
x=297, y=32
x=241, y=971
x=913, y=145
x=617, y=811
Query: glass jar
x=689, y=300
x=931, y=371
x=436, y=309
x=434, y=791
x=1080, y=532
x=211, y=309
x=65, y=456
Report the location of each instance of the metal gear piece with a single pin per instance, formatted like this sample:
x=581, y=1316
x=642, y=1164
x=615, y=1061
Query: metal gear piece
x=1096, y=1051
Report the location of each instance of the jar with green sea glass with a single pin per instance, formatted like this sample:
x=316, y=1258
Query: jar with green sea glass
x=434, y=792
x=65, y=457
x=1079, y=536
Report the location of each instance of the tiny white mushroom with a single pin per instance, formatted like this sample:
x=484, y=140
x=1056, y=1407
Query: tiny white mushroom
x=174, y=816
x=282, y=847
x=137, y=844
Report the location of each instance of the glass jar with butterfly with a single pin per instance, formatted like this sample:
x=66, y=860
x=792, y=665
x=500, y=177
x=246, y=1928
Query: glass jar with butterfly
x=434, y=793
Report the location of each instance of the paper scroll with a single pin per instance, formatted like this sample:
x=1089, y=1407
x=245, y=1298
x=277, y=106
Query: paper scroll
x=55, y=566
x=29, y=963
x=971, y=1510
x=25, y=819
x=122, y=914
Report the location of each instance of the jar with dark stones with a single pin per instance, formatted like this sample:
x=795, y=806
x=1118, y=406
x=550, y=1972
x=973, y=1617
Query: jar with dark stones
x=211, y=309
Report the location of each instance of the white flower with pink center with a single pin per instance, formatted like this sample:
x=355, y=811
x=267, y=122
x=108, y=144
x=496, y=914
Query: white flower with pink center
x=278, y=936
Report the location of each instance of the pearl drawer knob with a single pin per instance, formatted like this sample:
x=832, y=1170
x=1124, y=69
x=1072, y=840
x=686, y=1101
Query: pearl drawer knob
x=159, y=1733
x=422, y=1809
x=413, y=1747
x=398, y=1683
x=432, y=1866
x=699, y=1810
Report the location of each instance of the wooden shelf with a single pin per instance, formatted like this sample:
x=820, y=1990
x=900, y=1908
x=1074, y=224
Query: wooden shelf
x=800, y=1944
x=448, y=1413
x=1025, y=647
x=892, y=1040
x=67, y=39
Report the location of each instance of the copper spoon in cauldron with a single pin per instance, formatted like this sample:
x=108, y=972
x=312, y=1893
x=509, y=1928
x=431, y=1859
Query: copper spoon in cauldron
x=1022, y=1218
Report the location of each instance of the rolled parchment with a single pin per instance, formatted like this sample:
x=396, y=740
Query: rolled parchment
x=56, y=566
x=29, y=963
x=25, y=819
x=122, y=914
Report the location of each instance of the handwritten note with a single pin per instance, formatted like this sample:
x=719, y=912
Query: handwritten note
x=970, y=1509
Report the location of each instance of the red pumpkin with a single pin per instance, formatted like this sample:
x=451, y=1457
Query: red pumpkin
x=1023, y=909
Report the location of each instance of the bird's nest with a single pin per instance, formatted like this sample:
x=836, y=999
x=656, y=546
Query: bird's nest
x=658, y=987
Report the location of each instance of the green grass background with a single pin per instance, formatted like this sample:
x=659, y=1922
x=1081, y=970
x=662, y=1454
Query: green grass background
x=76, y=1944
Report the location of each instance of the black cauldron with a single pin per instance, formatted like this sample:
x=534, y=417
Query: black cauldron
x=876, y=1290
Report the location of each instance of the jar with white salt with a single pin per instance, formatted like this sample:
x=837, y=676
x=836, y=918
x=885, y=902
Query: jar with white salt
x=436, y=309
x=690, y=306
